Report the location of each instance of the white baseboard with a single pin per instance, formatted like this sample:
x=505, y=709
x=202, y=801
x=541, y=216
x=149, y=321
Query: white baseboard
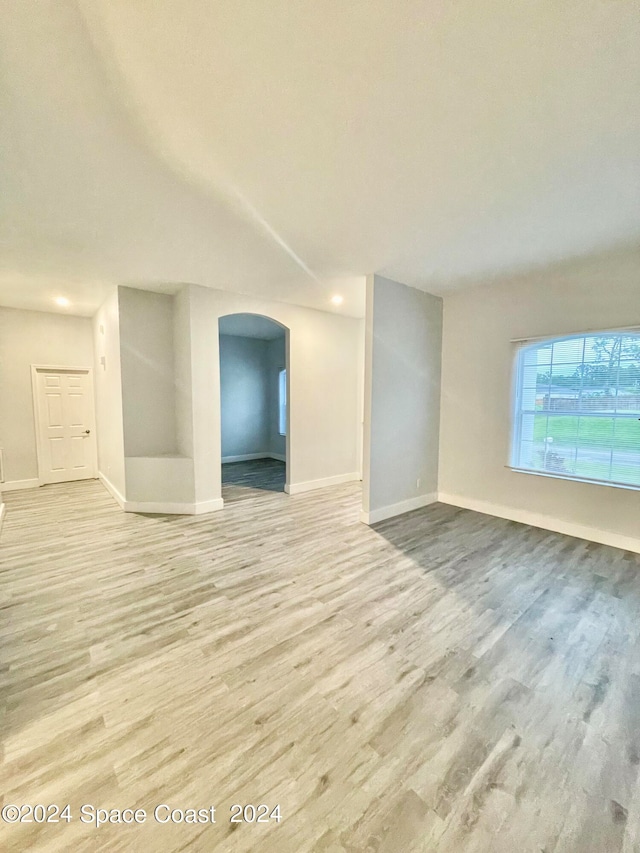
x=168, y=508
x=111, y=489
x=546, y=522
x=248, y=457
x=244, y=457
x=311, y=485
x=400, y=508
x=14, y=485
x=3, y=510
x=161, y=507
x=208, y=506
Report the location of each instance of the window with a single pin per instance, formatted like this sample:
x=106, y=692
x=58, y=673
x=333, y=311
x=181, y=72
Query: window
x=282, y=402
x=577, y=408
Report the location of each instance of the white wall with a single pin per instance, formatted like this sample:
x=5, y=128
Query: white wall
x=323, y=382
x=148, y=373
x=244, y=395
x=26, y=338
x=479, y=323
x=108, y=391
x=402, y=398
x=277, y=361
x=159, y=484
x=183, y=373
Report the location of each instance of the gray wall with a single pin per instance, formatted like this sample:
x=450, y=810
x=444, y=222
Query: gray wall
x=26, y=338
x=403, y=341
x=148, y=373
x=244, y=395
x=108, y=391
x=145, y=413
x=597, y=293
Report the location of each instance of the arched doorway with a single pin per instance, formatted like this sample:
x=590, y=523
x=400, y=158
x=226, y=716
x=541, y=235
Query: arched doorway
x=254, y=405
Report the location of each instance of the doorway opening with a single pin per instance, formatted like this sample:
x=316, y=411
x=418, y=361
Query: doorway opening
x=254, y=405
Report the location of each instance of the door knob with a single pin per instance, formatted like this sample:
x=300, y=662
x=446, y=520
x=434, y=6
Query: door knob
x=87, y=431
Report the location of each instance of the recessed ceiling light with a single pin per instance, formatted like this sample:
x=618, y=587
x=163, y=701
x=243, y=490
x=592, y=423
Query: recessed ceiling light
x=62, y=301
x=337, y=300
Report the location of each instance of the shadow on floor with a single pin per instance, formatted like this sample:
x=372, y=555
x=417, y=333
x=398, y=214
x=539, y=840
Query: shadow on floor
x=492, y=564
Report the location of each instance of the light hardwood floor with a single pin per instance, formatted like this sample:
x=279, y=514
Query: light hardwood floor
x=446, y=681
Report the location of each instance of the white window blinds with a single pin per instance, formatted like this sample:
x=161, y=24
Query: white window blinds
x=577, y=408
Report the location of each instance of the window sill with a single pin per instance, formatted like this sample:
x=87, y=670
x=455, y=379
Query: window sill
x=628, y=486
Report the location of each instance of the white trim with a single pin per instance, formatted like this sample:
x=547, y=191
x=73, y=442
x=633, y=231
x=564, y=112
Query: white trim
x=519, y=412
x=244, y=457
x=400, y=508
x=3, y=512
x=540, y=338
x=62, y=368
x=161, y=508
x=558, y=476
x=248, y=457
x=311, y=485
x=213, y=505
x=111, y=489
x=546, y=522
x=14, y=485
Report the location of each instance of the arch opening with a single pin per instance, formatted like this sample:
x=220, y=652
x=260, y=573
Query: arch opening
x=254, y=405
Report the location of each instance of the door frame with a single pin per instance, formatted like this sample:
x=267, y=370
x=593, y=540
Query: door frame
x=57, y=368
x=287, y=367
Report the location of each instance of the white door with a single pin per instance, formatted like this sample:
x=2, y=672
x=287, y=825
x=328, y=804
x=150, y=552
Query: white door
x=65, y=424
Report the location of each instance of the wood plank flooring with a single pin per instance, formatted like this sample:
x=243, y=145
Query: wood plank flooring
x=241, y=479
x=444, y=682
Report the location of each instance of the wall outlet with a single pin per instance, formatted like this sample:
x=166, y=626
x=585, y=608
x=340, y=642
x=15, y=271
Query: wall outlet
x=418, y=483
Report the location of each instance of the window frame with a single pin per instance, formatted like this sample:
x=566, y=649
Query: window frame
x=517, y=413
x=282, y=404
